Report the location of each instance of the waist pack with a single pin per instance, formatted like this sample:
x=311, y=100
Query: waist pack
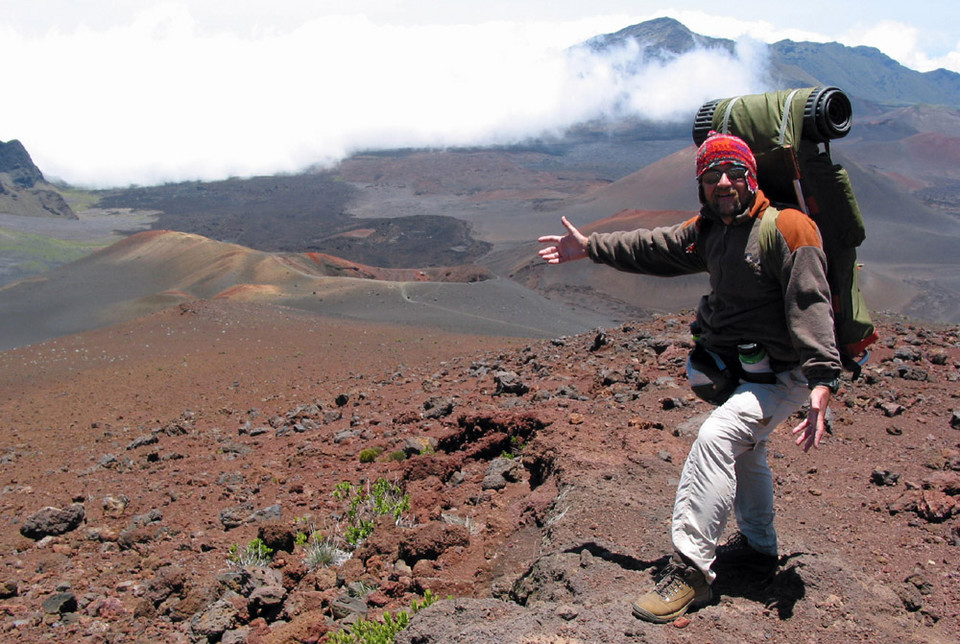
x=714, y=378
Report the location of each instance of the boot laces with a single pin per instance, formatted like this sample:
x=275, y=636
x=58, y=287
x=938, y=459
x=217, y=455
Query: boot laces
x=671, y=580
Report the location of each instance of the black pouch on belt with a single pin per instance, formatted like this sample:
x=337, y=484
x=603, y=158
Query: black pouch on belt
x=712, y=377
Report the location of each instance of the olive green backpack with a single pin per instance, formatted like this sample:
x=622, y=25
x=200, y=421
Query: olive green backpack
x=784, y=130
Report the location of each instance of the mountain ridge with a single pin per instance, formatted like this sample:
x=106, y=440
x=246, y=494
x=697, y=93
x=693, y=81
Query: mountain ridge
x=866, y=73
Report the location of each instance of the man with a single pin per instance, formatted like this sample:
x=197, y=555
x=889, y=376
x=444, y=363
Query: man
x=786, y=312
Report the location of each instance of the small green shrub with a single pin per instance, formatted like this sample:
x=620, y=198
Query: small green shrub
x=364, y=505
x=256, y=553
x=370, y=454
x=365, y=631
x=515, y=449
x=304, y=529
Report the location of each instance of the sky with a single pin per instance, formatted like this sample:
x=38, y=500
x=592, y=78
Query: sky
x=107, y=93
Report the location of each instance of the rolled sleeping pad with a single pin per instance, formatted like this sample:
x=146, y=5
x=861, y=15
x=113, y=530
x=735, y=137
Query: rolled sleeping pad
x=827, y=113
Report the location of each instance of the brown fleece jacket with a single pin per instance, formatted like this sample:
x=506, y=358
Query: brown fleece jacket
x=792, y=318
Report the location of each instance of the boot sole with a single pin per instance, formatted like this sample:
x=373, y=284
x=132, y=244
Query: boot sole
x=647, y=616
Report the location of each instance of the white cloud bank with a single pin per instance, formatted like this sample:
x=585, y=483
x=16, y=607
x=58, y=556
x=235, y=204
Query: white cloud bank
x=158, y=99
x=903, y=43
x=163, y=95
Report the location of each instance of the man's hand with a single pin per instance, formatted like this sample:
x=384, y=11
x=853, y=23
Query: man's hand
x=567, y=248
x=813, y=427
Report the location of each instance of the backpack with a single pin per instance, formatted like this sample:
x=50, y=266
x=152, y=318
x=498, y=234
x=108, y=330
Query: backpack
x=784, y=130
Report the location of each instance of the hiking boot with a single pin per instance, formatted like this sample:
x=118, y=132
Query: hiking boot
x=737, y=551
x=679, y=588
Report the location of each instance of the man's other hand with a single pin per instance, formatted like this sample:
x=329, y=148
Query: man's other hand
x=810, y=432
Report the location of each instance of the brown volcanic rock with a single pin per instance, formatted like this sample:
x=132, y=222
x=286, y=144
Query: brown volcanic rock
x=271, y=407
x=53, y=521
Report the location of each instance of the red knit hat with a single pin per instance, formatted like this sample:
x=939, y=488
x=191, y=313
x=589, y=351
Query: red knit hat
x=725, y=148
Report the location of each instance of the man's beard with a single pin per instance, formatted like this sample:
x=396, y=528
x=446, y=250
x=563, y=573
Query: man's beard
x=729, y=208
x=727, y=204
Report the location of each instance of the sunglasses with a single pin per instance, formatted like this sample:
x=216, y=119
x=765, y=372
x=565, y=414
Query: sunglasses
x=734, y=173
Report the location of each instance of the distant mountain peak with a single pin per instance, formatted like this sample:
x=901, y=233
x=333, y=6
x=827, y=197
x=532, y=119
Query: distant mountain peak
x=660, y=39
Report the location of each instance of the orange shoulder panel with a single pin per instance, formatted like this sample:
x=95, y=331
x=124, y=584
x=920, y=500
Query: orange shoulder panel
x=798, y=229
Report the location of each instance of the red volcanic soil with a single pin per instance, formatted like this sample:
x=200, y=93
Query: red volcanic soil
x=199, y=354
x=66, y=404
x=540, y=475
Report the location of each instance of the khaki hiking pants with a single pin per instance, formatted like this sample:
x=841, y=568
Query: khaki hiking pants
x=727, y=469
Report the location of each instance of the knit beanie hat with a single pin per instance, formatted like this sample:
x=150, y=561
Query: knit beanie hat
x=725, y=148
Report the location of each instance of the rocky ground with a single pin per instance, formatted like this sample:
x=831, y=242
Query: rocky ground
x=142, y=462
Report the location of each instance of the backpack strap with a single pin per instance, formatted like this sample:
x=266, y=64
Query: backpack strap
x=725, y=129
x=785, y=118
x=768, y=241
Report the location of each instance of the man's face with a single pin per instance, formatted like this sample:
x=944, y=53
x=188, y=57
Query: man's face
x=725, y=189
